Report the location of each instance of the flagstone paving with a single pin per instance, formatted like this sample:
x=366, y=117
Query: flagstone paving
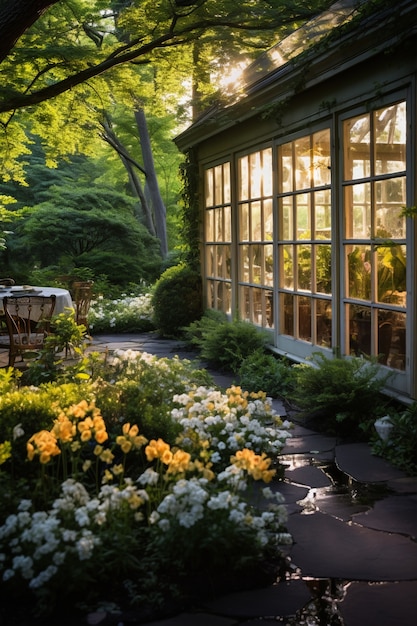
x=353, y=519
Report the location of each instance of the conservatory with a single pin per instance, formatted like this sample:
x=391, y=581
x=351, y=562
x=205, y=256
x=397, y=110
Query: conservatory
x=307, y=178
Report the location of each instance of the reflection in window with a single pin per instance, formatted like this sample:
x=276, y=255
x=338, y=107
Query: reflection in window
x=375, y=234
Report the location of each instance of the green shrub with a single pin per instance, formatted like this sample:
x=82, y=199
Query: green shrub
x=401, y=447
x=263, y=371
x=176, y=300
x=343, y=393
x=225, y=344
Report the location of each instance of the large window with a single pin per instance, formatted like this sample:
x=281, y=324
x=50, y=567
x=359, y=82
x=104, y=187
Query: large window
x=304, y=239
x=374, y=244
x=218, y=237
x=255, y=241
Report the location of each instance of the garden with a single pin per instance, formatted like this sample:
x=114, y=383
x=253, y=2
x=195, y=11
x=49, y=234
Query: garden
x=135, y=480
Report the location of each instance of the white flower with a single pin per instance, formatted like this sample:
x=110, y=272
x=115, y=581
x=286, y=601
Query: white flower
x=18, y=432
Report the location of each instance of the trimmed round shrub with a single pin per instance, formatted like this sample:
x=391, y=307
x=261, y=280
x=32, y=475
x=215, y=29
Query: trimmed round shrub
x=176, y=300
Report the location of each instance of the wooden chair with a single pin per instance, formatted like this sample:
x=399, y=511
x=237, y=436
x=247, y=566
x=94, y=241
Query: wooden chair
x=82, y=293
x=28, y=321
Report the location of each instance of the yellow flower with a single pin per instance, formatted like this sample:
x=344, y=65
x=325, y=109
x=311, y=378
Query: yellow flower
x=86, y=465
x=86, y=435
x=101, y=436
x=117, y=469
x=44, y=444
x=180, y=462
x=107, y=456
x=157, y=450
x=124, y=443
x=98, y=450
x=108, y=476
x=256, y=465
x=63, y=428
x=130, y=438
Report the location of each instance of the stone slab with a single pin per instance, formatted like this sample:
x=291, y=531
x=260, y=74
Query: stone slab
x=281, y=600
x=308, y=475
x=326, y=547
x=356, y=460
x=309, y=444
x=397, y=514
x=390, y=604
x=194, y=619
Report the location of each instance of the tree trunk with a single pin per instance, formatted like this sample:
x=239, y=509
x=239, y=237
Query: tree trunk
x=16, y=16
x=152, y=182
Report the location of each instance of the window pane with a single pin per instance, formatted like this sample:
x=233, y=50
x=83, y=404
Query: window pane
x=244, y=222
x=358, y=211
x=304, y=266
x=267, y=172
x=323, y=214
x=390, y=200
x=359, y=264
x=218, y=185
x=268, y=220
x=244, y=178
x=285, y=177
x=210, y=225
x=356, y=132
x=390, y=138
x=228, y=261
x=323, y=268
x=303, y=215
x=227, y=223
x=303, y=177
x=209, y=261
x=286, y=317
x=287, y=263
x=256, y=221
x=304, y=318
x=391, y=274
x=324, y=323
x=209, y=188
x=269, y=265
x=321, y=158
x=255, y=174
x=286, y=213
x=244, y=263
x=226, y=183
x=218, y=218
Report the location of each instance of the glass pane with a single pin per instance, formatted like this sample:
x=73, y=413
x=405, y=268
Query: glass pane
x=244, y=222
x=287, y=224
x=359, y=264
x=256, y=259
x=321, y=158
x=303, y=215
x=244, y=303
x=255, y=174
x=304, y=266
x=210, y=260
x=303, y=178
x=358, y=211
x=287, y=263
x=267, y=172
x=390, y=139
x=356, y=132
x=227, y=223
x=323, y=268
x=269, y=265
x=285, y=178
x=256, y=221
x=323, y=214
x=397, y=355
x=218, y=218
x=390, y=200
x=304, y=318
x=209, y=188
x=257, y=313
x=391, y=273
x=210, y=225
x=226, y=182
x=218, y=185
x=286, y=317
x=360, y=336
x=228, y=261
x=210, y=295
x=324, y=323
x=244, y=263
x=221, y=261
x=269, y=299
x=244, y=178
x=268, y=220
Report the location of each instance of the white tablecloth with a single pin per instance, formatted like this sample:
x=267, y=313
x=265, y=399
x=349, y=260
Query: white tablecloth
x=63, y=296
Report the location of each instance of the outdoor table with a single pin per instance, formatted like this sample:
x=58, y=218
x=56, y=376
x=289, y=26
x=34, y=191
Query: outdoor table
x=63, y=296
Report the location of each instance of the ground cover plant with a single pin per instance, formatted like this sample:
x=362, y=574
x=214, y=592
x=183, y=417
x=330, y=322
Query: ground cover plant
x=128, y=313
x=131, y=484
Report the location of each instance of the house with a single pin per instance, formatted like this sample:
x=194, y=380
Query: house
x=307, y=180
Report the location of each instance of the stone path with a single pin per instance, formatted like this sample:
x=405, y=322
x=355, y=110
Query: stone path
x=353, y=519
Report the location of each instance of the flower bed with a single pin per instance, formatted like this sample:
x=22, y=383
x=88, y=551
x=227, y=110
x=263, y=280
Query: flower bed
x=108, y=507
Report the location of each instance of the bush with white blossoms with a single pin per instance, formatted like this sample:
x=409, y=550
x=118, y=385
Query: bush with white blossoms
x=130, y=313
x=119, y=515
